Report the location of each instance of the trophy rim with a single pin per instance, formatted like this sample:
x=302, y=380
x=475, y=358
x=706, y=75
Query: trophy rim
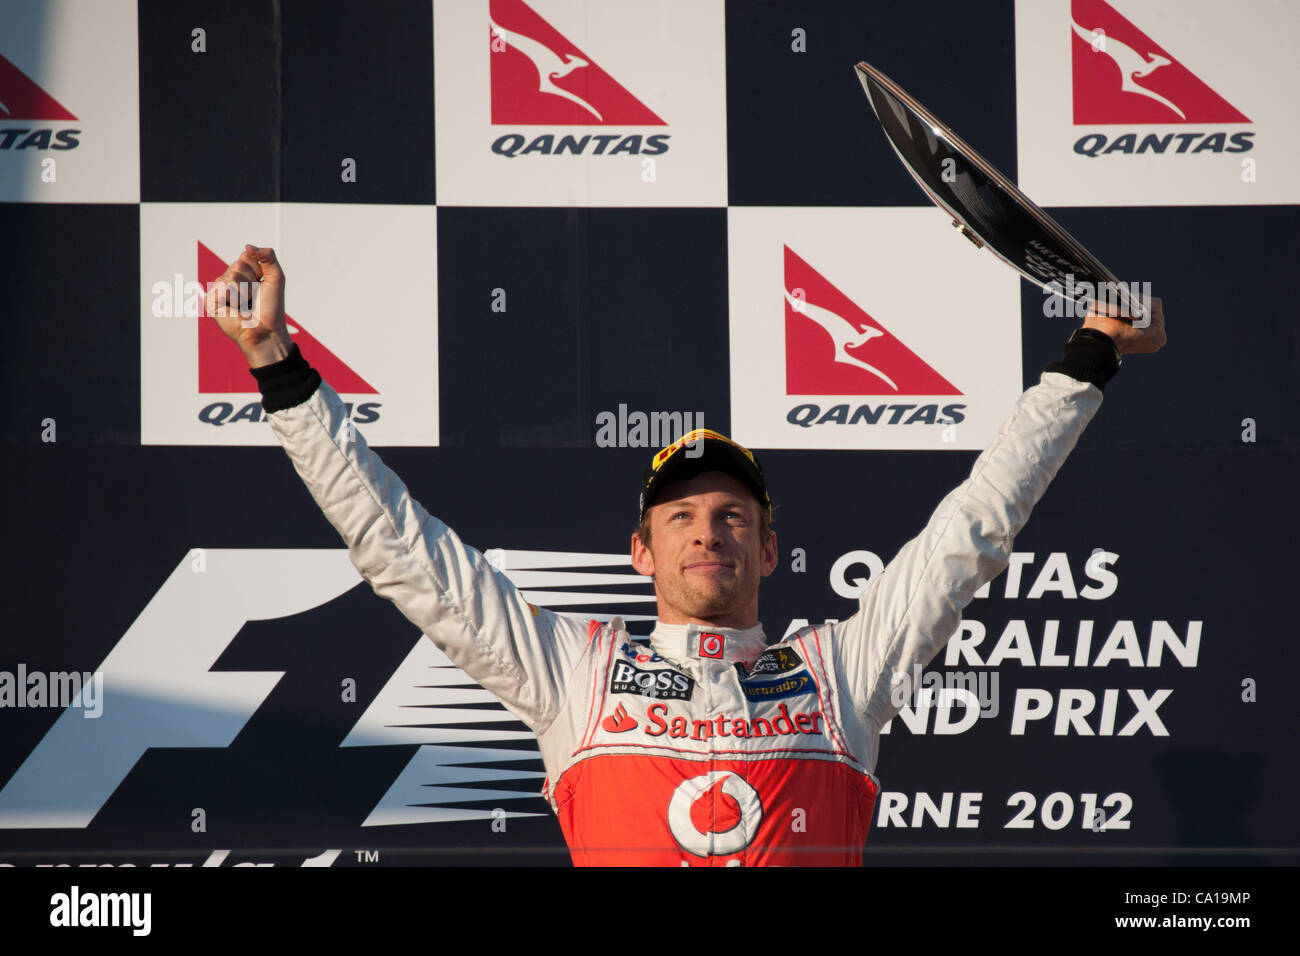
x=868, y=74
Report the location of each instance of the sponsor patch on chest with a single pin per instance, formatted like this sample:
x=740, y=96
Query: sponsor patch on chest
x=660, y=684
x=791, y=686
x=778, y=660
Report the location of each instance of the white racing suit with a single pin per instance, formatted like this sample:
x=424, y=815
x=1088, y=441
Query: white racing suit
x=713, y=748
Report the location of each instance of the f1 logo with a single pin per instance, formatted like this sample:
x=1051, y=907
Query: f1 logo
x=711, y=645
x=159, y=692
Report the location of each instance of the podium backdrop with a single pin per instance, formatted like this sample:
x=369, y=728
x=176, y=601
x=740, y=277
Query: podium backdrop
x=529, y=241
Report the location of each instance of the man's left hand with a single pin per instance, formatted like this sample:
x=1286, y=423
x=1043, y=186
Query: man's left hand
x=1129, y=340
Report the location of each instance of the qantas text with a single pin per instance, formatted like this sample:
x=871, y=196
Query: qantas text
x=223, y=413
x=512, y=144
x=1095, y=144
x=810, y=415
x=39, y=139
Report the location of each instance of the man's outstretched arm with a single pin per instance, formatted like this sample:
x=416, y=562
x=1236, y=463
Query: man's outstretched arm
x=909, y=611
x=521, y=653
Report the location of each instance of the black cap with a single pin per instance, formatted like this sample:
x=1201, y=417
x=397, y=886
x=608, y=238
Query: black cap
x=703, y=450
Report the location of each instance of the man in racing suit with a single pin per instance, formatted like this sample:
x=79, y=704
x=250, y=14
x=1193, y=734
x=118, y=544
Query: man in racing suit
x=711, y=746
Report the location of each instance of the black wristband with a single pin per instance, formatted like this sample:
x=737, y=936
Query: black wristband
x=1090, y=356
x=286, y=383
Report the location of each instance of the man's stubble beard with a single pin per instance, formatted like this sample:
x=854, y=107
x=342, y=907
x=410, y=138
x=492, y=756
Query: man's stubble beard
x=726, y=597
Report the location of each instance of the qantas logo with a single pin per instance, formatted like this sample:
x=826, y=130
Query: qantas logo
x=833, y=347
x=540, y=78
x=1123, y=76
x=25, y=103
x=223, y=369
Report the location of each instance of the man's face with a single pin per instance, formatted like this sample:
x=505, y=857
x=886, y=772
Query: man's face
x=705, y=553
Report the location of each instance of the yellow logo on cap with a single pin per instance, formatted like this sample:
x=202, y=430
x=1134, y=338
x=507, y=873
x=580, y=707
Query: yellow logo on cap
x=691, y=437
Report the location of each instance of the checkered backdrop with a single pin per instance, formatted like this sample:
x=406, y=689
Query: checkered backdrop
x=493, y=267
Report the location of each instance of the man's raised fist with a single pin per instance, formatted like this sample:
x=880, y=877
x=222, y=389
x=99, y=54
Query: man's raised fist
x=247, y=301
